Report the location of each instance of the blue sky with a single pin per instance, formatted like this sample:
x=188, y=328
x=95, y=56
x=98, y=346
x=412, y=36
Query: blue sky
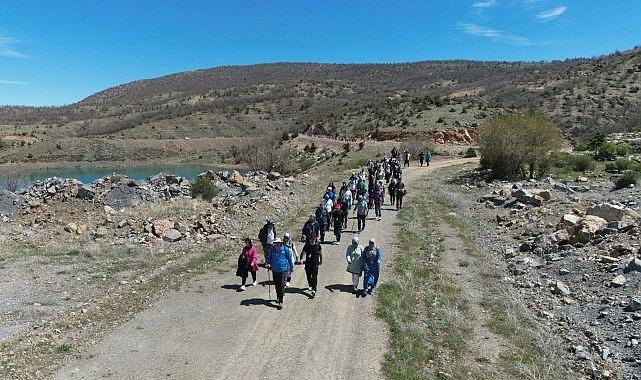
x=58, y=52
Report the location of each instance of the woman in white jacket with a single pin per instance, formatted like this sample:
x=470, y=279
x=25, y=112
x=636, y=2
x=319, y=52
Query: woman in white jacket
x=354, y=262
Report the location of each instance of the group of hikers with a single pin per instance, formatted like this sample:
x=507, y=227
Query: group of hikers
x=360, y=193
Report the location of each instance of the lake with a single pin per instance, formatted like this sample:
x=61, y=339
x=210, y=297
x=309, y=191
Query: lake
x=89, y=174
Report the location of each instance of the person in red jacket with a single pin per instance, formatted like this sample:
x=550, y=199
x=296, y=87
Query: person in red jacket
x=247, y=263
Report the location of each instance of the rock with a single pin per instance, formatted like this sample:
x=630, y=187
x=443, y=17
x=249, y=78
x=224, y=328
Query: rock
x=586, y=229
x=172, y=235
x=568, y=221
x=559, y=288
x=622, y=249
x=633, y=266
x=611, y=212
x=582, y=353
x=100, y=232
x=563, y=187
x=496, y=200
x=273, y=176
x=559, y=237
x=86, y=193
x=509, y=253
x=123, y=223
x=633, y=305
x=582, y=179
x=71, y=228
x=52, y=190
x=109, y=210
x=545, y=194
x=608, y=259
x=161, y=226
x=236, y=177
x=618, y=281
x=526, y=197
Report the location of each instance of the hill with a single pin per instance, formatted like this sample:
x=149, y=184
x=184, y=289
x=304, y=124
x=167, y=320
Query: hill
x=582, y=96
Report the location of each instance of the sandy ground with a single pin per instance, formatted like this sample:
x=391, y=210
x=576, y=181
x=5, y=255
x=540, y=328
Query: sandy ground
x=208, y=330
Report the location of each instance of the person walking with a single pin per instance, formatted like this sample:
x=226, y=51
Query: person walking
x=351, y=185
x=361, y=211
x=346, y=205
x=328, y=205
x=322, y=217
x=247, y=263
x=361, y=187
x=313, y=259
x=400, y=193
x=406, y=158
x=279, y=261
x=421, y=158
x=310, y=228
x=394, y=152
x=289, y=244
x=266, y=236
x=392, y=191
x=372, y=257
x=379, y=199
x=338, y=216
x=428, y=159
x=354, y=256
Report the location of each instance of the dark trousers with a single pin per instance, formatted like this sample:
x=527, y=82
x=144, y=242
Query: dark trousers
x=421, y=162
x=338, y=229
x=312, y=276
x=399, y=202
x=323, y=228
x=406, y=163
x=253, y=277
x=377, y=208
x=266, y=248
x=361, y=222
x=392, y=197
x=279, y=282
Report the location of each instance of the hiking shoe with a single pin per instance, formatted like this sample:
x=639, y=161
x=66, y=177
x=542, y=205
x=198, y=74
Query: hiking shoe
x=313, y=293
x=242, y=287
x=279, y=306
x=287, y=284
x=254, y=283
x=336, y=243
x=310, y=288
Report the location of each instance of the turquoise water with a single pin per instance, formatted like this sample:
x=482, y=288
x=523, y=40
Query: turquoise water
x=87, y=174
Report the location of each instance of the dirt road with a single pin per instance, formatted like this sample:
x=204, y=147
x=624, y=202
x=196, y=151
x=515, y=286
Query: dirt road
x=208, y=330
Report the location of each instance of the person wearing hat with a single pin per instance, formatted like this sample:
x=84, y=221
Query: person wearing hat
x=372, y=256
x=354, y=258
x=313, y=254
x=361, y=211
x=311, y=228
x=279, y=261
x=266, y=236
x=289, y=244
x=338, y=216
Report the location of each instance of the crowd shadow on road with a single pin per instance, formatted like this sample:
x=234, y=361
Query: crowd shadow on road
x=299, y=291
x=235, y=287
x=258, y=302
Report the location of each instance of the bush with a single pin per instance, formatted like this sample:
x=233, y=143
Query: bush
x=470, y=152
x=582, y=163
x=627, y=179
x=271, y=156
x=609, y=151
x=513, y=145
x=347, y=147
x=620, y=165
x=204, y=188
x=361, y=145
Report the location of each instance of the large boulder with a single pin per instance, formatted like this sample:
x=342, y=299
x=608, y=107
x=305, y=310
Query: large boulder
x=584, y=231
x=172, y=235
x=86, y=193
x=236, y=177
x=568, y=221
x=612, y=212
x=161, y=226
x=273, y=176
x=527, y=197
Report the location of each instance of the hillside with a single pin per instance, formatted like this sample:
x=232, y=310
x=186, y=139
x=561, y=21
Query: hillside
x=582, y=95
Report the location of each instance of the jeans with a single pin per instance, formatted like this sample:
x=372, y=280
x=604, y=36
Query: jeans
x=312, y=276
x=361, y=222
x=279, y=282
x=253, y=277
x=399, y=202
x=377, y=208
x=338, y=228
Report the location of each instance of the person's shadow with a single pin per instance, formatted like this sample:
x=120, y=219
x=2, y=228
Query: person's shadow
x=342, y=288
x=298, y=291
x=235, y=287
x=257, y=302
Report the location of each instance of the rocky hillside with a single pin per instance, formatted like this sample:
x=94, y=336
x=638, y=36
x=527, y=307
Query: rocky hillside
x=582, y=95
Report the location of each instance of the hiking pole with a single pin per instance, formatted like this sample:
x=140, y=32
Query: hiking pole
x=269, y=284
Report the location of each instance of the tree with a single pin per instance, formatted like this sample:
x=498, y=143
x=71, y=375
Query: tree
x=511, y=145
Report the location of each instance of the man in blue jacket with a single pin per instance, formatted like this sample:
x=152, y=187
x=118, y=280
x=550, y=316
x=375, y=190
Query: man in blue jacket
x=279, y=261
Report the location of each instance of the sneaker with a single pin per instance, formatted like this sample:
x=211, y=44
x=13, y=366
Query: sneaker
x=254, y=283
x=287, y=284
x=310, y=288
x=242, y=287
x=279, y=306
x=336, y=243
x=313, y=293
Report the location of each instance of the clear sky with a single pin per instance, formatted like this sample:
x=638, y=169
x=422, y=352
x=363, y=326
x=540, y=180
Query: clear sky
x=58, y=52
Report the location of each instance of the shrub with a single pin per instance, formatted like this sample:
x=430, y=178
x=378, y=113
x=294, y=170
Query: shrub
x=582, y=163
x=361, y=145
x=512, y=145
x=347, y=147
x=204, y=188
x=620, y=165
x=470, y=152
x=609, y=151
x=627, y=179
x=271, y=156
